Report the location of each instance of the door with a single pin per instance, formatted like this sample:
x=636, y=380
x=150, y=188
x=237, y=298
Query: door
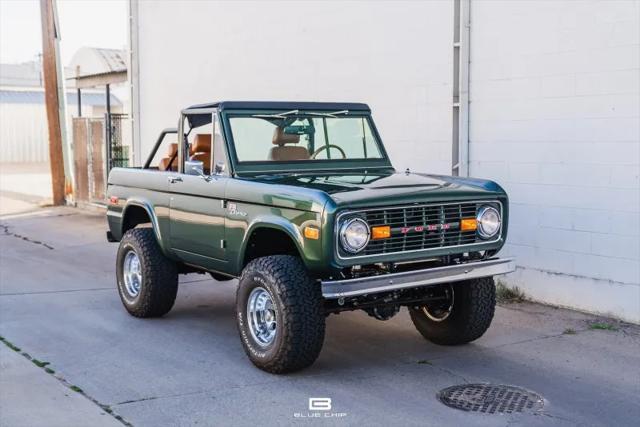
x=197, y=205
x=196, y=215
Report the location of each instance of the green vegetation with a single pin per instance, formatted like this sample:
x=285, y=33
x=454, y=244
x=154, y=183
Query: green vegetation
x=39, y=363
x=10, y=345
x=602, y=326
x=76, y=389
x=424, y=362
x=505, y=294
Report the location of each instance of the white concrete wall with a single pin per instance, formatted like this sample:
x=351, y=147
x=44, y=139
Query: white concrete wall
x=395, y=56
x=554, y=115
x=555, y=118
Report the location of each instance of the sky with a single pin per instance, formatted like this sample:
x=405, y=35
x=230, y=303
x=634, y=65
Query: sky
x=94, y=23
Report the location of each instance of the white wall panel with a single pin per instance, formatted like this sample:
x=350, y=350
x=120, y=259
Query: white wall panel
x=23, y=133
x=554, y=112
x=555, y=118
x=395, y=56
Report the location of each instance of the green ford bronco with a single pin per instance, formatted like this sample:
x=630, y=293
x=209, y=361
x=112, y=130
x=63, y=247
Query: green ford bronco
x=299, y=202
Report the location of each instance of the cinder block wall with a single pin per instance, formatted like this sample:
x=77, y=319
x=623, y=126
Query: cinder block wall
x=395, y=56
x=555, y=118
x=554, y=114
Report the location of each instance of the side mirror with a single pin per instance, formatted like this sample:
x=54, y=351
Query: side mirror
x=219, y=168
x=194, y=167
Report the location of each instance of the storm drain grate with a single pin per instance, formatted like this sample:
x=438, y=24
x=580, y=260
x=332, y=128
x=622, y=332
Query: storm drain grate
x=490, y=398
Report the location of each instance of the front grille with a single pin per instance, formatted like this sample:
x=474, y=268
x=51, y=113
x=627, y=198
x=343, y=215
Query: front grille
x=421, y=227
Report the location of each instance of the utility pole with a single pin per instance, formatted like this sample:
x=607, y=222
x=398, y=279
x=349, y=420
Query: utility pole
x=52, y=100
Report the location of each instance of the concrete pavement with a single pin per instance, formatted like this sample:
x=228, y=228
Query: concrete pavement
x=58, y=302
x=29, y=396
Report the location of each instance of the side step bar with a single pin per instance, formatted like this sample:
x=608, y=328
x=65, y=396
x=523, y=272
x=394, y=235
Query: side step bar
x=412, y=279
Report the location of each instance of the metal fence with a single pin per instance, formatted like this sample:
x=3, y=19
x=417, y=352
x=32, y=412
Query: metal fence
x=118, y=151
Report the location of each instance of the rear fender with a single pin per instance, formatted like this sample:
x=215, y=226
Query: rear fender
x=148, y=207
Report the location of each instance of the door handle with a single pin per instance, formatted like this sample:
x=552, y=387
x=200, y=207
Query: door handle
x=174, y=179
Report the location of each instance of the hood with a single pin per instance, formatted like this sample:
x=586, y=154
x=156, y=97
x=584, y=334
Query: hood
x=367, y=189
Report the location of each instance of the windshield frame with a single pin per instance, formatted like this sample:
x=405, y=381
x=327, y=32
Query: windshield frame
x=293, y=166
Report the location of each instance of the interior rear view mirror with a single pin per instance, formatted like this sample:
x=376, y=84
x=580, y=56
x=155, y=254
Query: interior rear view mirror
x=299, y=130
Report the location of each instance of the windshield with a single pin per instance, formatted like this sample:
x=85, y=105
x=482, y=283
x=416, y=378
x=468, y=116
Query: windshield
x=303, y=136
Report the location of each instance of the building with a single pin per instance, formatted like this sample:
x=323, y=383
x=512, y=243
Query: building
x=542, y=97
x=94, y=68
x=23, y=118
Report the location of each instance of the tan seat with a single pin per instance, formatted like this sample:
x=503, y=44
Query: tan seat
x=164, y=163
x=201, y=144
x=201, y=150
x=171, y=152
x=283, y=152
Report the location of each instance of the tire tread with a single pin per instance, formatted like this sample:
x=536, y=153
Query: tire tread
x=159, y=273
x=473, y=310
x=302, y=312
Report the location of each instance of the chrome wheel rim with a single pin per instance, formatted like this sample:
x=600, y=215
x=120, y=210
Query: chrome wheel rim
x=132, y=274
x=261, y=313
x=443, y=310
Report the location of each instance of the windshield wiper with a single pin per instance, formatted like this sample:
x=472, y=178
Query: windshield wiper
x=277, y=115
x=332, y=115
x=305, y=113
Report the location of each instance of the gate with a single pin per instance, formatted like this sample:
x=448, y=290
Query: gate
x=93, y=158
x=118, y=151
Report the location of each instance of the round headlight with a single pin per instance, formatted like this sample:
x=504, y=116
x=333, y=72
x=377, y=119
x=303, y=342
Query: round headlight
x=354, y=235
x=488, y=222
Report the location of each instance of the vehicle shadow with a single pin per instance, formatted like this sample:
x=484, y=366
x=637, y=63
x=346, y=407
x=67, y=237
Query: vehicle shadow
x=352, y=339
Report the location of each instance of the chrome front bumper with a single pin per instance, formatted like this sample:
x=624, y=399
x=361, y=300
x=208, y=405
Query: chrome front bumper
x=412, y=279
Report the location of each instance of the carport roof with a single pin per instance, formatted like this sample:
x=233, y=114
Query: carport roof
x=283, y=105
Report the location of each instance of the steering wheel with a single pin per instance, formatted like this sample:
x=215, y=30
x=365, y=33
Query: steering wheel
x=326, y=147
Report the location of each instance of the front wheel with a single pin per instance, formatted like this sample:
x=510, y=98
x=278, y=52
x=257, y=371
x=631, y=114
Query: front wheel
x=463, y=314
x=279, y=311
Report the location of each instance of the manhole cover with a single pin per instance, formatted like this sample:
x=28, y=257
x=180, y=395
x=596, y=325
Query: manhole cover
x=490, y=398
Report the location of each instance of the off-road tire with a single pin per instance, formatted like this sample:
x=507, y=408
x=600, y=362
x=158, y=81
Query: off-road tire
x=474, y=304
x=300, y=319
x=159, y=275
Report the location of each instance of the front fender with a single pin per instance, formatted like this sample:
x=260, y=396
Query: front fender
x=310, y=250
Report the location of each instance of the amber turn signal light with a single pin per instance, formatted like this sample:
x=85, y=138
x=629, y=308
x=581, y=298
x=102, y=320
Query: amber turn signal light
x=311, y=233
x=468, y=224
x=380, y=232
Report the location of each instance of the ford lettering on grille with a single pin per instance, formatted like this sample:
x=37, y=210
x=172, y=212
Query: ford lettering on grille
x=428, y=227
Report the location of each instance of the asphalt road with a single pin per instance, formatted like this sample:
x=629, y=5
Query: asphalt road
x=59, y=304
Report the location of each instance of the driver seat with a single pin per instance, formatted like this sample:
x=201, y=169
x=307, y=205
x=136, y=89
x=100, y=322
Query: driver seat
x=283, y=152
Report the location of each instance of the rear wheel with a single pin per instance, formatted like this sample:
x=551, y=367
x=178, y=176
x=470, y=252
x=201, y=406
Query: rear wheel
x=463, y=315
x=280, y=316
x=147, y=280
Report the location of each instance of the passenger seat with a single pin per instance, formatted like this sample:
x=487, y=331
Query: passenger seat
x=164, y=162
x=201, y=150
